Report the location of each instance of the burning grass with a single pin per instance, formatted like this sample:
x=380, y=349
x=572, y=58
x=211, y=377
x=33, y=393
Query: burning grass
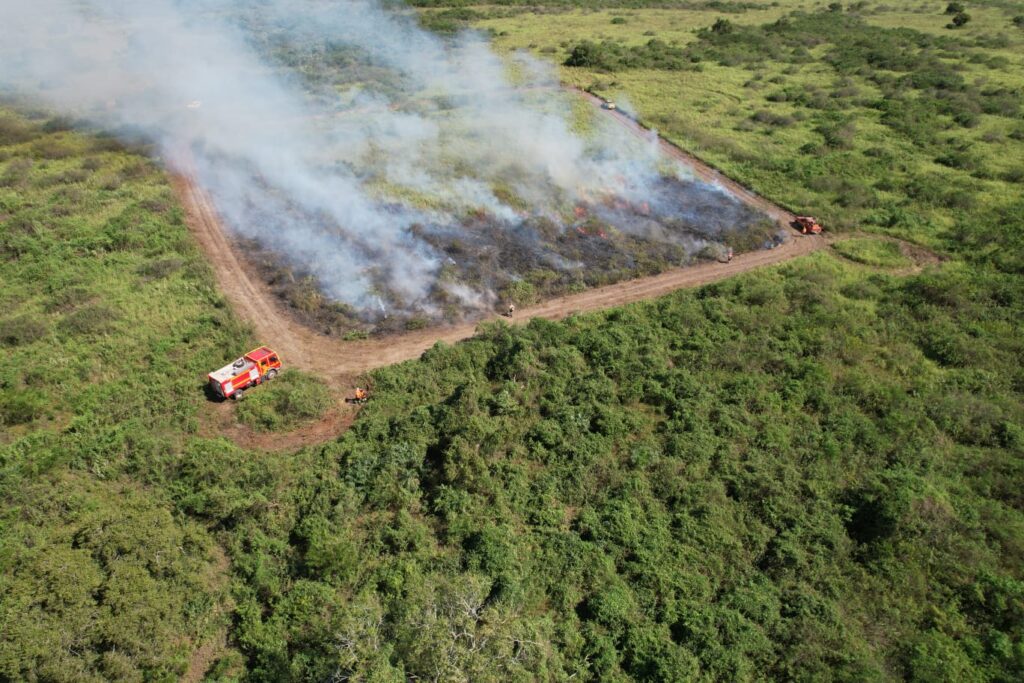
x=487, y=262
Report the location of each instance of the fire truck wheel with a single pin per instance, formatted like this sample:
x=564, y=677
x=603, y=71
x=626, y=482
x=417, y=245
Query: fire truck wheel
x=238, y=394
x=271, y=373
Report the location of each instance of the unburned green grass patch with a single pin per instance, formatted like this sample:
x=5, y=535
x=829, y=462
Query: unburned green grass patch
x=101, y=382
x=872, y=251
x=293, y=398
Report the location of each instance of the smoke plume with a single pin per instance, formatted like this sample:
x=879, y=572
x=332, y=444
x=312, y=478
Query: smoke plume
x=339, y=134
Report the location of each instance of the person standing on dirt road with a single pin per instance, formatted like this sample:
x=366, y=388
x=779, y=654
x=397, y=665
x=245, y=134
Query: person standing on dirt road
x=511, y=309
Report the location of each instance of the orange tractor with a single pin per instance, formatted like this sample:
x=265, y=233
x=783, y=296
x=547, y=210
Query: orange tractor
x=807, y=225
x=256, y=367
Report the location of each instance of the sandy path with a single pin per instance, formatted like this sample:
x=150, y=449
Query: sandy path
x=373, y=353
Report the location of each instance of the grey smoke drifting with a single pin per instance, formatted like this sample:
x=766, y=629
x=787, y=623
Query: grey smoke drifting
x=340, y=178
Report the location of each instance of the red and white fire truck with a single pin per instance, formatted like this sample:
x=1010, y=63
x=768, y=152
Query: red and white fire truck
x=255, y=367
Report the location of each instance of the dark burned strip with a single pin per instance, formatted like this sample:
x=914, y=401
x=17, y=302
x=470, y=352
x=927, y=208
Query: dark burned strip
x=595, y=241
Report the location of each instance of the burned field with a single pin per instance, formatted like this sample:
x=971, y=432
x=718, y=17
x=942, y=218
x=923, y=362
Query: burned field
x=486, y=262
x=400, y=189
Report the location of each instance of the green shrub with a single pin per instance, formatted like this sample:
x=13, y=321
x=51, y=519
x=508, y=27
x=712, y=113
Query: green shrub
x=89, y=319
x=520, y=293
x=58, y=124
x=611, y=56
x=22, y=329
x=16, y=172
x=289, y=400
x=21, y=407
x=51, y=147
x=722, y=26
x=773, y=119
x=449, y=20
x=959, y=19
x=14, y=131
x=157, y=270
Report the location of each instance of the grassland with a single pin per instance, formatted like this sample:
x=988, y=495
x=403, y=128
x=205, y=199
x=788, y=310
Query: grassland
x=873, y=252
x=765, y=118
x=808, y=472
x=293, y=398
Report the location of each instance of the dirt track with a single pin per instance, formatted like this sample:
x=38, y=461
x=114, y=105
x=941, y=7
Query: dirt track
x=343, y=361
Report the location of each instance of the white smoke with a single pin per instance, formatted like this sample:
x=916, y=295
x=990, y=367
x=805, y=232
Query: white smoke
x=334, y=180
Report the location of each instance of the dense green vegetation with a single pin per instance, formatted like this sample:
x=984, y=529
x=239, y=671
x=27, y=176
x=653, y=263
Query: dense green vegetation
x=108, y=320
x=808, y=472
x=611, y=56
x=873, y=252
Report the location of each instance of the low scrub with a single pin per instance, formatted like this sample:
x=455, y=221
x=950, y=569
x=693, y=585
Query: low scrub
x=22, y=329
x=611, y=56
x=873, y=252
x=284, y=403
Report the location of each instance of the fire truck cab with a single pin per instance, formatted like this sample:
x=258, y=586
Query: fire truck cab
x=253, y=368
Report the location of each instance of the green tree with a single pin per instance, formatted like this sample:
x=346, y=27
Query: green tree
x=722, y=26
x=960, y=19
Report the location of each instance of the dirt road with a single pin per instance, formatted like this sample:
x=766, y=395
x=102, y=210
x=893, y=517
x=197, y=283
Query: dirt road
x=343, y=361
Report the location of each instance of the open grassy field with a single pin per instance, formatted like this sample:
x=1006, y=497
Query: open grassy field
x=796, y=128
x=107, y=319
